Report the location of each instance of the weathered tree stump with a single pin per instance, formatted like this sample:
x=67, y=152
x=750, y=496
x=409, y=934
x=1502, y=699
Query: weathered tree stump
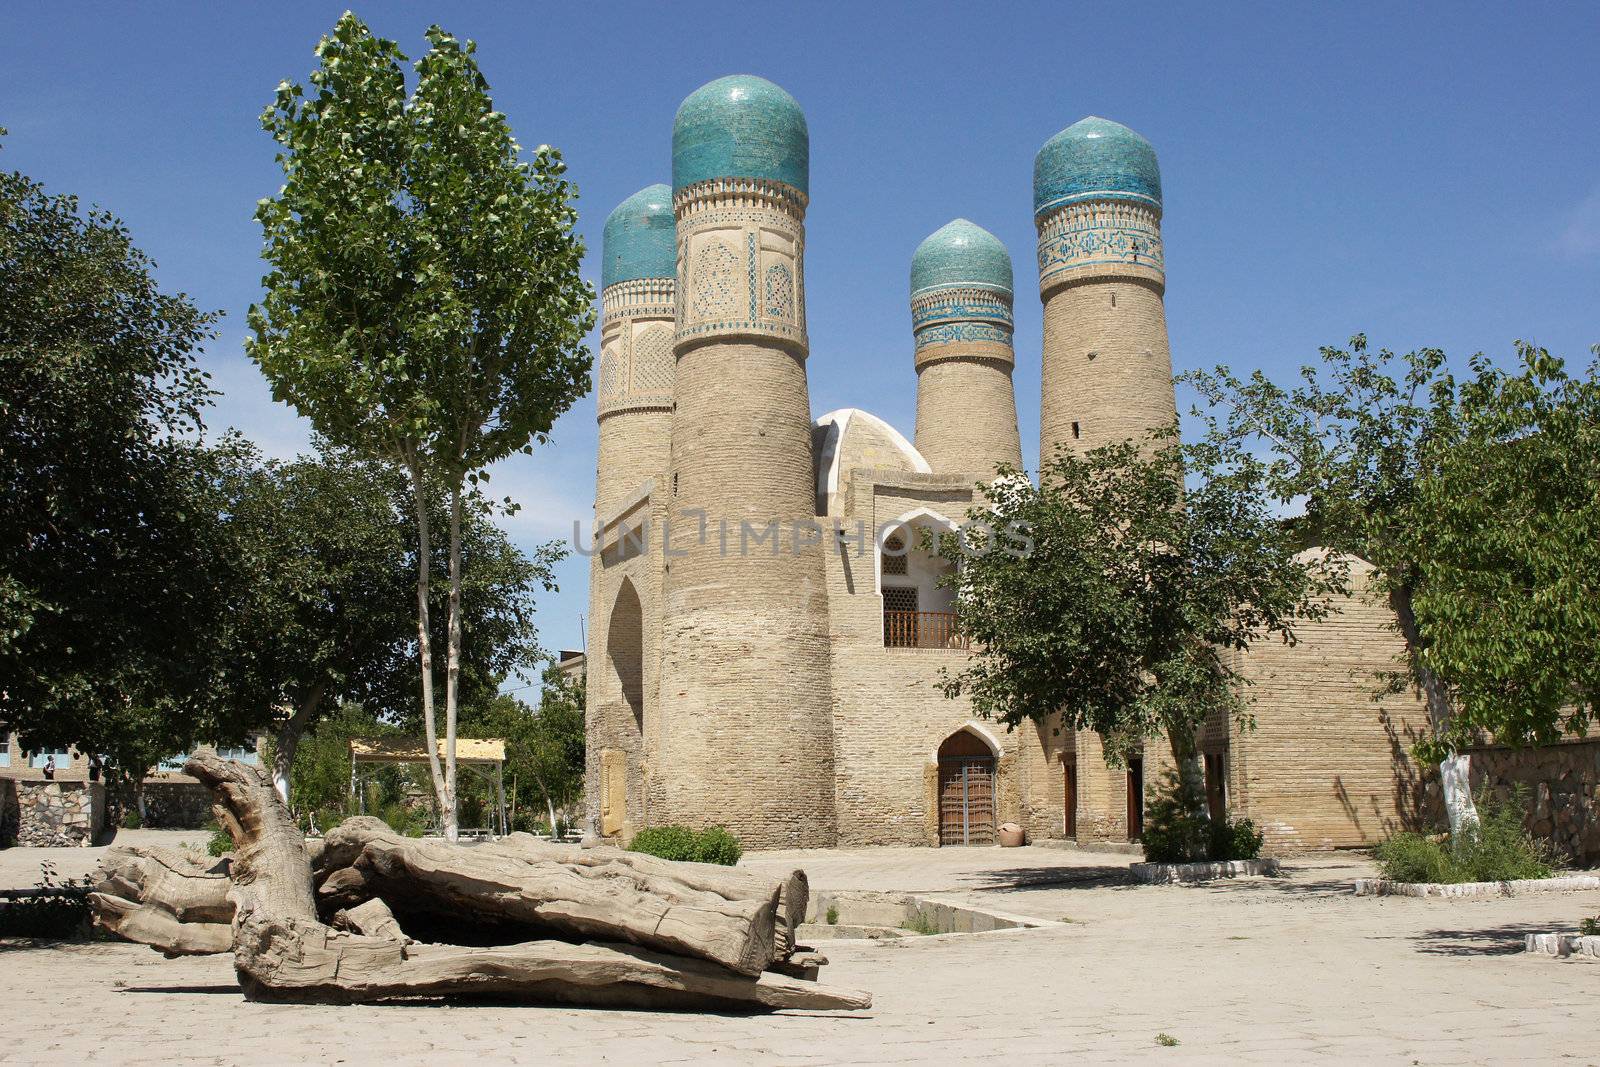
x=630, y=930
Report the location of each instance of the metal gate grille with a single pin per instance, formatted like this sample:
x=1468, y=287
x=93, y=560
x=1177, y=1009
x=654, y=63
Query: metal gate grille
x=966, y=800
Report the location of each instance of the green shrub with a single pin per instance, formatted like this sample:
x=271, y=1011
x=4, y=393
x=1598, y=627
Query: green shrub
x=1590, y=927
x=717, y=845
x=833, y=915
x=713, y=845
x=1497, y=849
x=1235, y=839
x=221, y=842
x=131, y=820
x=1177, y=829
x=57, y=910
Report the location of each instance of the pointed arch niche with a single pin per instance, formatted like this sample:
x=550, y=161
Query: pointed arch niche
x=625, y=651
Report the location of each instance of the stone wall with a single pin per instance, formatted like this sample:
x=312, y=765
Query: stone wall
x=178, y=803
x=8, y=813
x=60, y=814
x=1563, y=792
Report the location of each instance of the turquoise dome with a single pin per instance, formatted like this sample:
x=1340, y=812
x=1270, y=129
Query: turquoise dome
x=740, y=126
x=1097, y=159
x=641, y=238
x=960, y=253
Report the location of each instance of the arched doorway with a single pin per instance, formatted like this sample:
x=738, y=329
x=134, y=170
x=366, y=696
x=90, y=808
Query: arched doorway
x=966, y=790
x=625, y=650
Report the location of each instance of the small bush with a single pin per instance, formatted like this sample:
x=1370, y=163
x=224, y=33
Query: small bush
x=717, y=845
x=1590, y=927
x=713, y=845
x=131, y=820
x=1177, y=829
x=833, y=915
x=221, y=842
x=1235, y=839
x=1497, y=849
x=918, y=923
x=58, y=910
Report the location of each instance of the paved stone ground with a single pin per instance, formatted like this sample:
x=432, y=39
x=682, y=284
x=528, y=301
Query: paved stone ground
x=1253, y=970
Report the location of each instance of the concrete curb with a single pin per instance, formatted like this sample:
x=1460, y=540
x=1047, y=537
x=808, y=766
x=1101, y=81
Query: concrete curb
x=1563, y=945
x=1380, y=887
x=1159, y=873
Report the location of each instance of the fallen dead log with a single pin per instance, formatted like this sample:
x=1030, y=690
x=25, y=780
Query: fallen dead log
x=172, y=899
x=685, y=912
x=283, y=951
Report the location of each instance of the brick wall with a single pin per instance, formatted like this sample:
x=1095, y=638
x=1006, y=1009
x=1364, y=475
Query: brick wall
x=1327, y=766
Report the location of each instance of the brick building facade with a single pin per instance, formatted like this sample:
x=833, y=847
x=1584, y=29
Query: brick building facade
x=768, y=637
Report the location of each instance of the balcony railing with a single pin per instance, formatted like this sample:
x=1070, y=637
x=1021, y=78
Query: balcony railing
x=922, y=629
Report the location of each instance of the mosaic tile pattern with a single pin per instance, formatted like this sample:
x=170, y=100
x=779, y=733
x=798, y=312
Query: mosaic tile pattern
x=740, y=126
x=1095, y=158
x=1102, y=236
x=640, y=238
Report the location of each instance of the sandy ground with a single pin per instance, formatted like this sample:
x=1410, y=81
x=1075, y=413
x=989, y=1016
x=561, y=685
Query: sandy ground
x=1253, y=970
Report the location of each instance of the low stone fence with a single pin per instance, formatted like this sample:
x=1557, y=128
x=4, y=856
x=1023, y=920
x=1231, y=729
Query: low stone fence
x=175, y=802
x=1161, y=873
x=59, y=814
x=1563, y=790
x=1380, y=887
x=1562, y=945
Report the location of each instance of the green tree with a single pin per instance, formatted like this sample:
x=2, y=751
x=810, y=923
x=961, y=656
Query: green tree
x=1506, y=524
x=109, y=548
x=544, y=747
x=423, y=303
x=1124, y=614
x=1378, y=446
x=320, y=600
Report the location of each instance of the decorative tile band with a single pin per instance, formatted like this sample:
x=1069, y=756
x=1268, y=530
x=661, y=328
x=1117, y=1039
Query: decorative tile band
x=740, y=262
x=1100, y=234
x=642, y=296
x=739, y=193
x=970, y=332
x=964, y=304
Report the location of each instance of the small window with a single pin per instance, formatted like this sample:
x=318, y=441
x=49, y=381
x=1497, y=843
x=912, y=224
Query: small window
x=1092, y=355
x=63, y=760
x=1113, y=298
x=1076, y=432
x=674, y=483
x=899, y=599
x=894, y=556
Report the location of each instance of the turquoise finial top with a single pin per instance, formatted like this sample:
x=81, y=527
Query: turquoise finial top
x=1095, y=159
x=960, y=253
x=641, y=238
x=740, y=126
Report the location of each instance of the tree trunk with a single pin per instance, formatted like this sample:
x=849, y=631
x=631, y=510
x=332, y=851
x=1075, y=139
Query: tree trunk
x=442, y=791
x=283, y=952
x=173, y=899
x=452, y=676
x=1455, y=777
x=288, y=738
x=1191, y=775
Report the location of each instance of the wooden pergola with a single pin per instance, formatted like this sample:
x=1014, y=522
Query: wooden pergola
x=482, y=756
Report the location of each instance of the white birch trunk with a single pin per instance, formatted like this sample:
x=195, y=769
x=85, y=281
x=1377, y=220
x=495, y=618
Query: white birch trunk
x=441, y=787
x=452, y=677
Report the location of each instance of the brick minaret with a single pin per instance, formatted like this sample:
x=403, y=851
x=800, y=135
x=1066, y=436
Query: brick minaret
x=1107, y=373
x=961, y=321
x=747, y=734
x=634, y=403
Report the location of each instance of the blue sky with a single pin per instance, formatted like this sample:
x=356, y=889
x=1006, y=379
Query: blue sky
x=1429, y=175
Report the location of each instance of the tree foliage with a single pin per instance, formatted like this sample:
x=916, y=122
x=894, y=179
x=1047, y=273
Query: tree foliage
x=423, y=302
x=1506, y=524
x=1124, y=616
x=109, y=548
x=544, y=746
x=1473, y=500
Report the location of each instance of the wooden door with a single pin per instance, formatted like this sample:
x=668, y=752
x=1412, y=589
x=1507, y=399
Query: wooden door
x=1070, y=799
x=966, y=800
x=1135, y=799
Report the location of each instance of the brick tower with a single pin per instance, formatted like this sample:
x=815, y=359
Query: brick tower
x=634, y=403
x=1107, y=367
x=747, y=732
x=1107, y=373
x=961, y=321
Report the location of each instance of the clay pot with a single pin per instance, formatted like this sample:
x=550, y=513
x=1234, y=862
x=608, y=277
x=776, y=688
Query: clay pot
x=1010, y=835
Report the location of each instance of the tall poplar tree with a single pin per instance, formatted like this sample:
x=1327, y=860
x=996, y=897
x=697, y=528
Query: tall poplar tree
x=423, y=303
